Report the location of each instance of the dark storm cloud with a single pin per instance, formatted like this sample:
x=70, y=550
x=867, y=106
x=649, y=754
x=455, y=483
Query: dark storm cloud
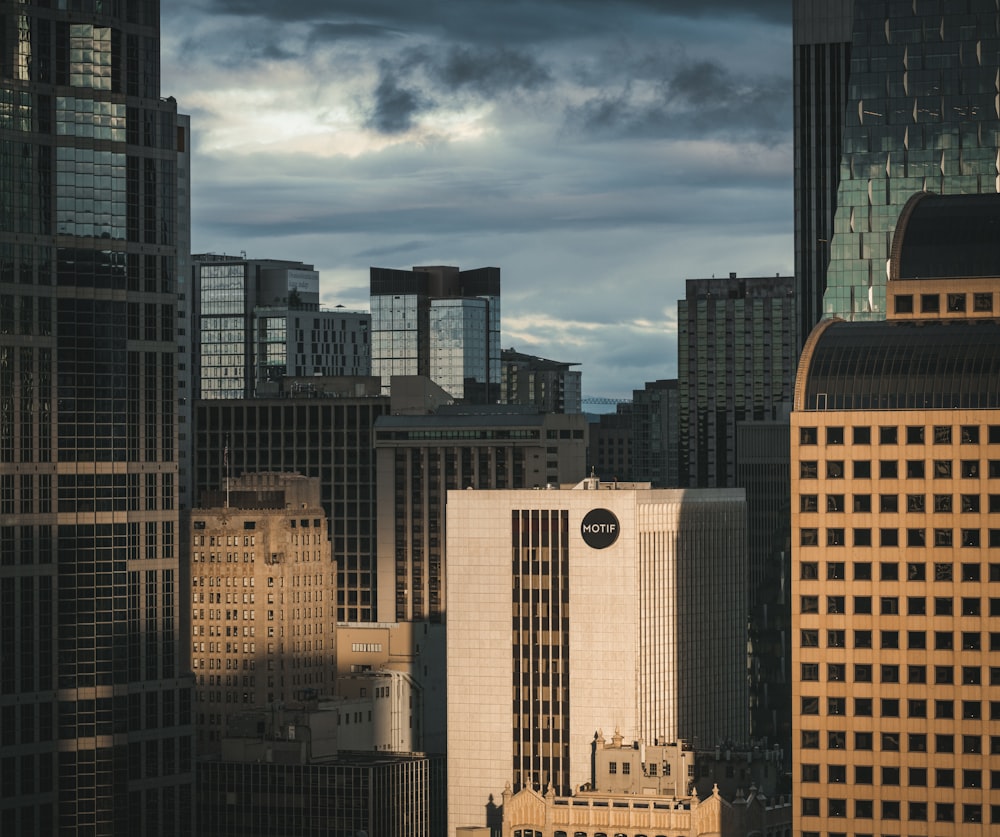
x=486, y=73
x=700, y=98
x=494, y=21
x=395, y=106
x=334, y=32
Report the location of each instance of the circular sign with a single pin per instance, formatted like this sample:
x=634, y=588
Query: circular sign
x=600, y=528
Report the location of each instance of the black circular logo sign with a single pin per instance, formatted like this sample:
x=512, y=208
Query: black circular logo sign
x=600, y=528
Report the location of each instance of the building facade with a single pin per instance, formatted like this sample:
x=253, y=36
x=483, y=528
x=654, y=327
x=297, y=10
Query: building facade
x=896, y=497
x=538, y=622
x=263, y=599
x=95, y=705
x=327, y=433
x=439, y=322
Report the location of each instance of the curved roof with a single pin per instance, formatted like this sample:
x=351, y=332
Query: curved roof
x=901, y=365
x=947, y=236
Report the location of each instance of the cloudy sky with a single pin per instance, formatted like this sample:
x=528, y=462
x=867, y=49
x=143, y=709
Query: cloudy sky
x=599, y=153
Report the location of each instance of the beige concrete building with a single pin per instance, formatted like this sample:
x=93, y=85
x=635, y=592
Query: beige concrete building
x=574, y=607
x=263, y=588
x=896, y=526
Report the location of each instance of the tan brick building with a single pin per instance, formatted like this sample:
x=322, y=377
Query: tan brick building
x=896, y=544
x=262, y=600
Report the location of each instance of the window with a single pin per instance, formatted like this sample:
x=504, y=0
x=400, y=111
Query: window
x=810, y=772
x=890, y=708
x=809, y=604
x=836, y=740
x=810, y=671
x=970, y=468
x=612, y=767
x=944, y=641
x=810, y=739
x=862, y=502
x=810, y=807
x=890, y=810
x=889, y=639
x=915, y=571
x=862, y=741
x=916, y=639
x=916, y=537
x=969, y=503
x=889, y=605
x=918, y=777
x=862, y=469
x=626, y=768
x=808, y=503
x=836, y=672
x=916, y=708
x=863, y=605
x=808, y=436
x=808, y=469
x=863, y=707
x=970, y=572
x=915, y=502
x=943, y=675
x=809, y=638
x=890, y=674
x=916, y=742
x=916, y=605
x=835, y=604
x=862, y=571
x=835, y=639
x=887, y=435
x=890, y=775
x=836, y=706
x=835, y=435
x=944, y=744
x=862, y=537
x=888, y=469
x=889, y=571
x=809, y=570
x=918, y=811
x=942, y=469
x=835, y=570
x=862, y=673
x=942, y=434
x=888, y=537
x=862, y=639
x=888, y=503
x=914, y=435
x=862, y=774
x=834, y=502
x=809, y=537
x=942, y=606
x=915, y=469
x=916, y=674
x=835, y=469
x=834, y=537
x=862, y=435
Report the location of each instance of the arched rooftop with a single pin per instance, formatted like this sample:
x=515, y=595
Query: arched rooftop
x=947, y=236
x=901, y=365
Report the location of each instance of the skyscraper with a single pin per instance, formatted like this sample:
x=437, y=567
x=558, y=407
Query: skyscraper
x=567, y=608
x=919, y=114
x=821, y=33
x=895, y=527
x=441, y=323
x=95, y=713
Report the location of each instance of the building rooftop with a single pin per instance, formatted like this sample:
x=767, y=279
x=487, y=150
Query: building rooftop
x=896, y=365
x=947, y=236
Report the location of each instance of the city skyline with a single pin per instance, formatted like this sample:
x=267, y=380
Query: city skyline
x=598, y=157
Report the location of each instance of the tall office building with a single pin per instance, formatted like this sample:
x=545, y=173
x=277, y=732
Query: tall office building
x=439, y=322
x=920, y=115
x=895, y=525
x=569, y=608
x=259, y=321
x=422, y=457
x=263, y=593
x=326, y=433
x=95, y=729
x=821, y=34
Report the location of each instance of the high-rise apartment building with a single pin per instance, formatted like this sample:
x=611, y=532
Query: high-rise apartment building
x=568, y=607
x=258, y=321
x=439, y=322
x=655, y=434
x=895, y=527
x=920, y=114
x=95, y=712
x=736, y=363
x=263, y=599
x=422, y=457
x=550, y=385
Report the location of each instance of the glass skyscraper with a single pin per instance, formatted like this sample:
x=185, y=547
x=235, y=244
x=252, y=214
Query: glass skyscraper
x=95, y=714
x=439, y=322
x=921, y=115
